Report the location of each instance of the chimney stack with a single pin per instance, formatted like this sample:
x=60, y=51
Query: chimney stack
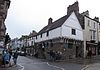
x=86, y=13
x=50, y=21
x=74, y=7
x=96, y=18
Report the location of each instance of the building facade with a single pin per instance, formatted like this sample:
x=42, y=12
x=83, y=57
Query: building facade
x=76, y=31
x=15, y=43
x=4, y=6
x=72, y=35
x=64, y=35
x=91, y=33
x=31, y=42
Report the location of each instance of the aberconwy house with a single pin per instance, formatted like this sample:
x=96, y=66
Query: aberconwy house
x=64, y=35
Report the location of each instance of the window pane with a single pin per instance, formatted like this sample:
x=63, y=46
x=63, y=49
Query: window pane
x=70, y=45
x=99, y=26
x=94, y=25
x=88, y=22
x=47, y=33
x=93, y=34
x=73, y=31
x=41, y=35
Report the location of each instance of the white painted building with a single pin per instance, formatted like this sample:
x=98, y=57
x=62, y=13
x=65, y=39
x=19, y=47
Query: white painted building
x=15, y=43
x=72, y=35
x=78, y=29
x=64, y=35
x=65, y=30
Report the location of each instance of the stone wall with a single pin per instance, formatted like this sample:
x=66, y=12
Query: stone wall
x=68, y=50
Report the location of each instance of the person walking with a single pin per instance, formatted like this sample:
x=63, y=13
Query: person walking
x=15, y=56
x=6, y=57
x=3, y=55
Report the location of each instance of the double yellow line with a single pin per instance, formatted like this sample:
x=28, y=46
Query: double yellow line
x=85, y=67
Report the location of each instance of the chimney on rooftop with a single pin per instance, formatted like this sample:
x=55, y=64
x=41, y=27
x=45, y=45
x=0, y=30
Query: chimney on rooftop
x=50, y=21
x=96, y=18
x=86, y=13
x=74, y=7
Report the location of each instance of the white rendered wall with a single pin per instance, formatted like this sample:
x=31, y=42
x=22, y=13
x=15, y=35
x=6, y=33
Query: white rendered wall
x=52, y=34
x=64, y=30
x=72, y=23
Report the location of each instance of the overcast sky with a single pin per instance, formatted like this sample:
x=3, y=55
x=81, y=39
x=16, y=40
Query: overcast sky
x=27, y=15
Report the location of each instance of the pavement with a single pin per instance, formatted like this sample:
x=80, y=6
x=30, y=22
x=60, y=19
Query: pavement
x=95, y=66
x=11, y=64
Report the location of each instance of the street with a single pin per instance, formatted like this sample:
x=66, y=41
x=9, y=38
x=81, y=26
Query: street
x=32, y=63
x=26, y=63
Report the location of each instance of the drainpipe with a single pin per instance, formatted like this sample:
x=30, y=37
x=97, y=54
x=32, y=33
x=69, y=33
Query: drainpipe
x=84, y=49
x=97, y=38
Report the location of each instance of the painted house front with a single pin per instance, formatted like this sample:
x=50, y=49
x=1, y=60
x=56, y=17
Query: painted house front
x=30, y=42
x=91, y=34
x=70, y=24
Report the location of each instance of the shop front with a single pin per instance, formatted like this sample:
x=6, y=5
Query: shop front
x=92, y=47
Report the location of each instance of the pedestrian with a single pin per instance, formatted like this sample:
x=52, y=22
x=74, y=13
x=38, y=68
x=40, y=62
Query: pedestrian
x=3, y=53
x=36, y=54
x=15, y=56
x=6, y=58
x=10, y=52
x=52, y=55
x=10, y=55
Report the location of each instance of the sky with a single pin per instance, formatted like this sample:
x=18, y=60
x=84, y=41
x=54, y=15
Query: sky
x=27, y=15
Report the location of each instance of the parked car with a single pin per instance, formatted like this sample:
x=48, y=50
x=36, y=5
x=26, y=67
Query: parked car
x=22, y=53
x=19, y=52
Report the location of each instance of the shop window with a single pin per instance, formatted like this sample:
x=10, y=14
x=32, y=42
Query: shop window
x=66, y=45
x=70, y=45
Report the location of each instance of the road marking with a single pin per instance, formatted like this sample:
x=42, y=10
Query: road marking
x=87, y=67
x=90, y=66
x=50, y=65
x=55, y=66
x=21, y=66
x=40, y=63
x=83, y=67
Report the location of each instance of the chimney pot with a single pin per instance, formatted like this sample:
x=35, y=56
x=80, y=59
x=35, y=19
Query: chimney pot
x=50, y=21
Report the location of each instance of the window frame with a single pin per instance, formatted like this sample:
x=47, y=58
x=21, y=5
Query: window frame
x=73, y=31
x=99, y=26
x=88, y=22
x=47, y=33
x=36, y=37
x=41, y=35
x=94, y=25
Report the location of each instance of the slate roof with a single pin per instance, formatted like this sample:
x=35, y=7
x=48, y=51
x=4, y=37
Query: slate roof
x=80, y=18
x=60, y=21
x=72, y=8
x=54, y=24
